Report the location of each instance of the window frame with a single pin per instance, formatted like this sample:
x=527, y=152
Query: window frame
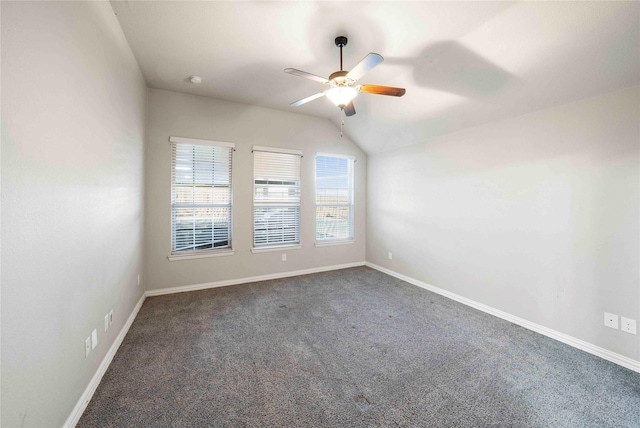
x=275, y=246
x=325, y=242
x=226, y=250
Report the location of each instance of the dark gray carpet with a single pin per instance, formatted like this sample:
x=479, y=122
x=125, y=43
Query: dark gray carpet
x=349, y=348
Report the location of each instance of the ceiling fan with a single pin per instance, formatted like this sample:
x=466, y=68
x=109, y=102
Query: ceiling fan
x=342, y=83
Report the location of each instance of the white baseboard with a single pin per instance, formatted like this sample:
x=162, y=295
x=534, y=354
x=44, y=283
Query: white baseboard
x=248, y=279
x=80, y=407
x=553, y=334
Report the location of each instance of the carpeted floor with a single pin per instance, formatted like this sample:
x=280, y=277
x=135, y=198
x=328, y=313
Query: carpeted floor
x=349, y=348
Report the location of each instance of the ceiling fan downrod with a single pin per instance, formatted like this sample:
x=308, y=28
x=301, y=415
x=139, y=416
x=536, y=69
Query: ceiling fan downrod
x=341, y=41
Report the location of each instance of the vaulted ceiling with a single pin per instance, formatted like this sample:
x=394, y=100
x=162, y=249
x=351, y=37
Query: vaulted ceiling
x=463, y=64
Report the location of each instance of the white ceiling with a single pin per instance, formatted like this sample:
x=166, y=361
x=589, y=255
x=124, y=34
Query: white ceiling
x=463, y=63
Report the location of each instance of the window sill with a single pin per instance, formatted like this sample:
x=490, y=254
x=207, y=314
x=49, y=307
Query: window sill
x=332, y=243
x=222, y=253
x=280, y=248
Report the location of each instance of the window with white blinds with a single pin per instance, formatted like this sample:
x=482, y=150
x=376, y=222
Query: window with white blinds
x=334, y=198
x=276, y=197
x=200, y=195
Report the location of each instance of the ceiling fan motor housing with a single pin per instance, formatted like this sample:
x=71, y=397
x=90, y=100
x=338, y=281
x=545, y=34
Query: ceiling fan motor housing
x=339, y=78
x=341, y=41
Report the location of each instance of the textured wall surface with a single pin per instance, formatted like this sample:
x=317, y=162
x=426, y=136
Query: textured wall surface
x=536, y=216
x=73, y=113
x=181, y=115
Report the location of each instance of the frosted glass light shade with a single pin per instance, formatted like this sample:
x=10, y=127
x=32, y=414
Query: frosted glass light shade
x=341, y=95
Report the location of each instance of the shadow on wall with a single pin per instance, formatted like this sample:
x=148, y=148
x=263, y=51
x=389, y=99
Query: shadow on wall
x=450, y=67
x=452, y=78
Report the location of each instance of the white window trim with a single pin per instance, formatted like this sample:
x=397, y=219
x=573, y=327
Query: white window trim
x=202, y=254
x=185, y=140
x=331, y=243
x=278, y=248
x=276, y=150
x=298, y=245
x=333, y=155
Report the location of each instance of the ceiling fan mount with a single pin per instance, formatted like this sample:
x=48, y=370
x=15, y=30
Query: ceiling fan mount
x=343, y=83
x=341, y=41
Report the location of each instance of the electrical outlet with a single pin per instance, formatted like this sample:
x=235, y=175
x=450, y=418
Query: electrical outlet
x=110, y=317
x=87, y=347
x=611, y=320
x=94, y=339
x=106, y=322
x=628, y=325
x=284, y=257
x=390, y=256
x=138, y=279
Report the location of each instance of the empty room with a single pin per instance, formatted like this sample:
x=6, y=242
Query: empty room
x=320, y=214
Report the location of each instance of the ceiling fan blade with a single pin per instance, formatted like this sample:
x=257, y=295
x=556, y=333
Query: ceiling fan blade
x=309, y=76
x=365, y=66
x=307, y=99
x=349, y=109
x=382, y=90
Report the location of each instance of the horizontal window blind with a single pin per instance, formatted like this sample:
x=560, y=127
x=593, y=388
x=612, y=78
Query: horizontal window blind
x=276, y=198
x=334, y=198
x=200, y=196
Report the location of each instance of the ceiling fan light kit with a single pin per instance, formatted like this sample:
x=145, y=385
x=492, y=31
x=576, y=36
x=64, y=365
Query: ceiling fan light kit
x=343, y=83
x=341, y=95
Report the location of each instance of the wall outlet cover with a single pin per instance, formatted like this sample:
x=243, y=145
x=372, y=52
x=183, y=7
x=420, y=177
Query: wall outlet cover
x=110, y=317
x=628, y=325
x=390, y=256
x=94, y=339
x=87, y=347
x=284, y=257
x=611, y=320
x=106, y=322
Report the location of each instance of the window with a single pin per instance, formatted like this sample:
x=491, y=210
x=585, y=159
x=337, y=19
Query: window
x=334, y=198
x=276, y=197
x=200, y=195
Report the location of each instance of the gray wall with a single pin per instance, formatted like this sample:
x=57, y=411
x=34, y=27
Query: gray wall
x=537, y=216
x=181, y=115
x=73, y=112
